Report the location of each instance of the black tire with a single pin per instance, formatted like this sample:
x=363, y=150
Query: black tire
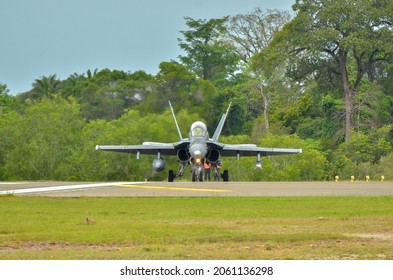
x=170, y=176
x=225, y=176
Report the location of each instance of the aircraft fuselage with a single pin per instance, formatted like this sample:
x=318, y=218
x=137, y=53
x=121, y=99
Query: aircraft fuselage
x=198, y=136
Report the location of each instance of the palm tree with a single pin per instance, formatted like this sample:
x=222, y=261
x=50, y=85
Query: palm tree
x=45, y=86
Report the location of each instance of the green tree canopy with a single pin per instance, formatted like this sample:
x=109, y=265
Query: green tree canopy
x=41, y=138
x=7, y=102
x=350, y=37
x=206, y=55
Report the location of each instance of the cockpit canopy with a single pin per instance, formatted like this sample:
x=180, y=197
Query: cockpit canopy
x=198, y=129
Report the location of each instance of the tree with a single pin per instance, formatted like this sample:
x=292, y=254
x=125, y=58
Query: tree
x=43, y=87
x=3, y=89
x=350, y=36
x=177, y=83
x=367, y=148
x=7, y=124
x=250, y=35
x=252, y=32
x=206, y=55
x=41, y=139
x=72, y=86
x=106, y=94
x=309, y=166
x=7, y=102
x=46, y=86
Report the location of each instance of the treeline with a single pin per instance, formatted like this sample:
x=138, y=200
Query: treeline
x=320, y=80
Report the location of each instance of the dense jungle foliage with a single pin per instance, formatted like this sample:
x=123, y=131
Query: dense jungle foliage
x=319, y=78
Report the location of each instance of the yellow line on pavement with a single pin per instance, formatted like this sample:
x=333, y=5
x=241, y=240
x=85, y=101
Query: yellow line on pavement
x=172, y=188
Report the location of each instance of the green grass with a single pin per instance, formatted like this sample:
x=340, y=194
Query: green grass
x=196, y=228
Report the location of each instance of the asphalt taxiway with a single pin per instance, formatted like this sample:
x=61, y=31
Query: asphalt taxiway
x=156, y=189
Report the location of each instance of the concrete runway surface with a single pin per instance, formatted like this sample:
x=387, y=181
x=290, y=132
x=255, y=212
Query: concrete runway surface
x=218, y=189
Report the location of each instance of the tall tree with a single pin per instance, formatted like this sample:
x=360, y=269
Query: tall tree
x=46, y=86
x=175, y=82
x=42, y=88
x=206, y=55
x=252, y=32
x=107, y=93
x=250, y=35
x=349, y=35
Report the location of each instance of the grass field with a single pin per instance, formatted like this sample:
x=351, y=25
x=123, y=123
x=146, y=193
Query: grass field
x=196, y=228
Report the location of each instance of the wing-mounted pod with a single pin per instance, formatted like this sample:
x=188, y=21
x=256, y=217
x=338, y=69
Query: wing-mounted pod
x=158, y=164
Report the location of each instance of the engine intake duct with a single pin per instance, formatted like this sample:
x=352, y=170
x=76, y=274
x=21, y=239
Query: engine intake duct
x=183, y=155
x=213, y=156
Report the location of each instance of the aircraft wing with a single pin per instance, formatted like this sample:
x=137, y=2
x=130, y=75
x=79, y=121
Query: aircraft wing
x=148, y=148
x=253, y=150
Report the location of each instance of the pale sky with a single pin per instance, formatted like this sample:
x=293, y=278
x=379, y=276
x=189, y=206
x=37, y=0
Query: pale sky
x=62, y=37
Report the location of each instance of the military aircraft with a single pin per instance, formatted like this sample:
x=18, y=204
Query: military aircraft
x=197, y=149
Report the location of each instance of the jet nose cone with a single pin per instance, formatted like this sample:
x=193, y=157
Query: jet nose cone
x=197, y=154
x=197, y=151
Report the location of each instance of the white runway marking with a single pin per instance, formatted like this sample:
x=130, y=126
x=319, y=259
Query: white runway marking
x=64, y=188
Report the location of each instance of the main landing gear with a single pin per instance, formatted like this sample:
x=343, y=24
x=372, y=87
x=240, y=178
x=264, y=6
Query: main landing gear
x=198, y=173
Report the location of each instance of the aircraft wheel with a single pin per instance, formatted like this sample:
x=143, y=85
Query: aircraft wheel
x=225, y=176
x=170, y=176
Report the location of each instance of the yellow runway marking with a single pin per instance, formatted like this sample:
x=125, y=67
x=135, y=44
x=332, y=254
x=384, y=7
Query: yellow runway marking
x=172, y=188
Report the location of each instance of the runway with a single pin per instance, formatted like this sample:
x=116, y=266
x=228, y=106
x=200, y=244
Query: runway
x=217, y=189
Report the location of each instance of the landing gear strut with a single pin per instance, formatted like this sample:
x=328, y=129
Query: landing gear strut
x=197, y=173
x=180, y=171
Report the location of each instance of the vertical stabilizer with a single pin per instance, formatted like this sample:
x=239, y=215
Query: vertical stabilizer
x=221, y=124
x=174, y=117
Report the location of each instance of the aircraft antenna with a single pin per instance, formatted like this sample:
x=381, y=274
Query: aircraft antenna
x=174, y=118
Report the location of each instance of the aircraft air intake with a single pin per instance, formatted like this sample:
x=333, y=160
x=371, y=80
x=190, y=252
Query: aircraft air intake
x=183, y=155
x=213, y=156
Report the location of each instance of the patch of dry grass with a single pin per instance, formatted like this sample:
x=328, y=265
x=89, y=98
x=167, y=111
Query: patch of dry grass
x=196, y=228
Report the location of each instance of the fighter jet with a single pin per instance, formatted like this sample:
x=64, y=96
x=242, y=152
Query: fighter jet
x=197, y=149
